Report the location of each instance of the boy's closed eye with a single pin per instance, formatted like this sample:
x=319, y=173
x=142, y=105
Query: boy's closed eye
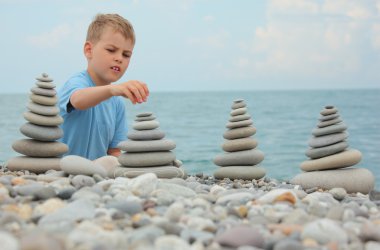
x=125, y=54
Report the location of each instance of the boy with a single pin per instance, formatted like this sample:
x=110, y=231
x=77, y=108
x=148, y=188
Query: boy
x=92, y=109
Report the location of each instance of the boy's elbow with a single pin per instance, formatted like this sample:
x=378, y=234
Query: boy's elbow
x=76, y=101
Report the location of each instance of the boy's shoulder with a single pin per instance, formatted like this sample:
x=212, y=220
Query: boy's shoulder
x=81, y=77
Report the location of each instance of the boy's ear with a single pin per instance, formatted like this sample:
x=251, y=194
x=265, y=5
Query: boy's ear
x=87, y=49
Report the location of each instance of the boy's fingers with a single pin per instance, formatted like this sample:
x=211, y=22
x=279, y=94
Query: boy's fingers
x=145, y=88
x=135, y=89
x=129, y=95
x=144, y=92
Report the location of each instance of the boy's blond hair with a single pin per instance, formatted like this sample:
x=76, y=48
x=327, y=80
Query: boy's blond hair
x=116, y=22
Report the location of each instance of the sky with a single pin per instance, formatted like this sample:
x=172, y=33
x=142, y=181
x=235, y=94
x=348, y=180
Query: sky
x=201, y=45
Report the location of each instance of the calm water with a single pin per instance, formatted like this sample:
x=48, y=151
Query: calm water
x=284, y=120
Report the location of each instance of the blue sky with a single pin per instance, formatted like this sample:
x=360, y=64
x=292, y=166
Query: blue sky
x=202, y=45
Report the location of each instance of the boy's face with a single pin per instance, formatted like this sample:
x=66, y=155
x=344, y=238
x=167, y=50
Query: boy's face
x=108, y=59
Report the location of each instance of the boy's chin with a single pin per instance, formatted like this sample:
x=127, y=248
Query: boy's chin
x=113, y=79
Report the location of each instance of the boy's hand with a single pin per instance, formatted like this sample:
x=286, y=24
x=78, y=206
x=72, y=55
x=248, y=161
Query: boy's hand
x=134, y=90
x=114, y=152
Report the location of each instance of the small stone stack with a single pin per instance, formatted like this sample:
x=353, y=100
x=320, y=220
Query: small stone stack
x=42, y=152
x=241, y=157
x=330, y=158
x=147, y=151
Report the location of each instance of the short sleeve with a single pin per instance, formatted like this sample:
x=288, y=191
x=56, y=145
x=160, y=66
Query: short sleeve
x=121, y=124
x=67, y=90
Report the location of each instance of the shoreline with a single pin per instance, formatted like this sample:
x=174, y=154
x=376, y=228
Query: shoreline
x=56, y=211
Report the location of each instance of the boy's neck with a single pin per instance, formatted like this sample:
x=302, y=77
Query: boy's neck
x=94, y=80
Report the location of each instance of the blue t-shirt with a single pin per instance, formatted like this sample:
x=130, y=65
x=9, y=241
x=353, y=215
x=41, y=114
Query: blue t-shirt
x=90, y=133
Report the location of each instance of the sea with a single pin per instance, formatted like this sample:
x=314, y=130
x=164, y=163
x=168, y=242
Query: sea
x=196, y=122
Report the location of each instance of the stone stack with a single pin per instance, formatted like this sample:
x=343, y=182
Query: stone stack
x=330, y=158
x=241, y=157
x=41, y=152
x=147, y=151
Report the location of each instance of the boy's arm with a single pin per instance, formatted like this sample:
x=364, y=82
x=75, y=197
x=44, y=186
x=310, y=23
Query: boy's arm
x=135, y=91
x=114, y=152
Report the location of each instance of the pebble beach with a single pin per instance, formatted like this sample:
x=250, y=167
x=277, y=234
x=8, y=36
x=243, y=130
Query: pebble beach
x=59, y=211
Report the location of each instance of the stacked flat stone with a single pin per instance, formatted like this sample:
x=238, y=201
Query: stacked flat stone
x=147, y=151
x=41, y=152
x=331, y=158
x=241, y=157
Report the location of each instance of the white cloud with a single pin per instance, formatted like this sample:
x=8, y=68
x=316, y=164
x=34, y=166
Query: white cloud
x=52, y=38
x=208, y=18
x=181, y=5
x=376, y=36
x=321, y=46
x=293, y=6
x=214, y=41
x=348, y=8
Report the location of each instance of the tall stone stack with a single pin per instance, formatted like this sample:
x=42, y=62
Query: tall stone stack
x=147, y=151
x=331, y=159
x=41, y=150
x=241, y=157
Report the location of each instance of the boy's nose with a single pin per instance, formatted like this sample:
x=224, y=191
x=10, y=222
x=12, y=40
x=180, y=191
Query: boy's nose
x=118, y=59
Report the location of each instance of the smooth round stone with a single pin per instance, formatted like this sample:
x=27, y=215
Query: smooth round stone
x=341, y=160
x=336, y=128
x=328, y=150
x=147, y=146
x=145, y=135
x=329, y=122
x=35, y=148
x=41, y=133
x=240, y=172
x=44, y=100
x=44, y=78
x=324, y=231
x=145, y=118
x=288, y=244
x=239, y=124
x=351, y=179
x=238, y=104
x=322, y=141
x=76, y=165
x=43, y=120
x=329, y=110
x=328, y=117
x=239, y=118
x=44, y=92
x=239, y=144
x=239, y=111
x=108, y=162
x=150, y=159
x=146, y=125
x=144, y=114
x=161, y=172
x=239, y=236
x=46, y=85
x=240, y=158
x=237, y=133
x=43, y=109
x=33, y=164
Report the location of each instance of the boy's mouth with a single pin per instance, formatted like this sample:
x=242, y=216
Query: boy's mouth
x=115, y=68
